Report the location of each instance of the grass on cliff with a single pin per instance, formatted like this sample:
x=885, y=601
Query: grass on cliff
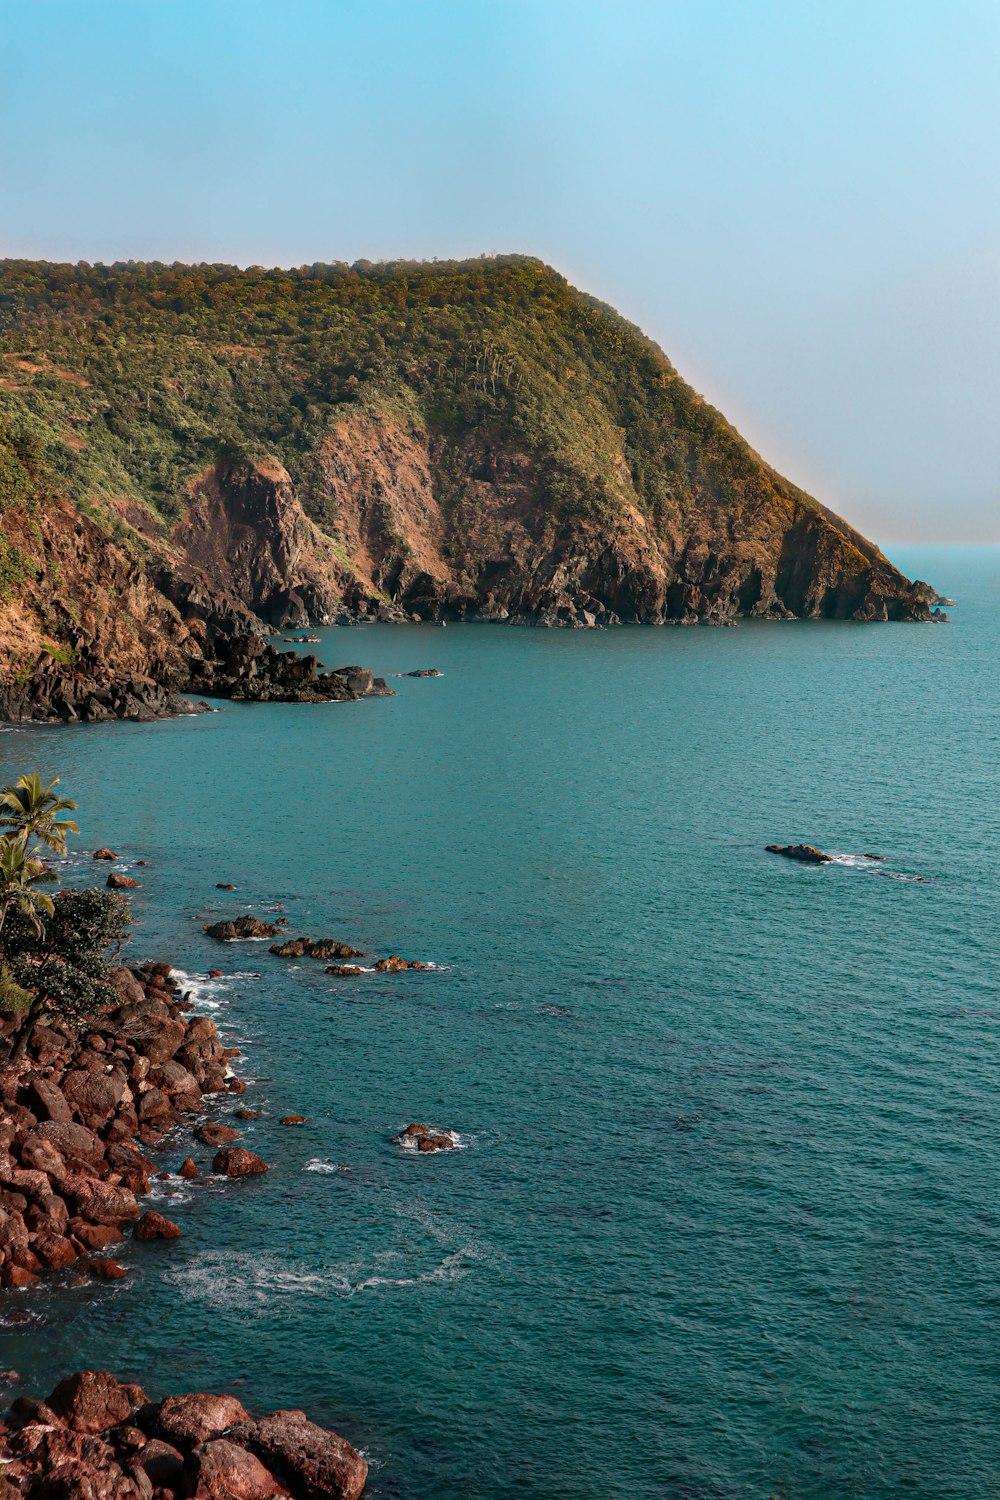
x=130, y=379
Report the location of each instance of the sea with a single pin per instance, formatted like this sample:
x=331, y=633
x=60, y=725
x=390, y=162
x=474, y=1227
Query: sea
x=724, y=1220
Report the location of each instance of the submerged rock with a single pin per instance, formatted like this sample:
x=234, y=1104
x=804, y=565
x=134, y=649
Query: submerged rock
x=424, y=672
x=807, y=853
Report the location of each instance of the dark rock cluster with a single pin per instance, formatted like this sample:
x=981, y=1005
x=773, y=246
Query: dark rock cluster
x=96, y=1438
x=248, y=668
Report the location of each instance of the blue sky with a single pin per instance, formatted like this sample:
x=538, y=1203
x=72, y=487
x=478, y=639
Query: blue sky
x=800, y=201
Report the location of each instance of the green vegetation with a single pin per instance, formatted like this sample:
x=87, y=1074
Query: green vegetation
x=128, y=380
x=52, y=949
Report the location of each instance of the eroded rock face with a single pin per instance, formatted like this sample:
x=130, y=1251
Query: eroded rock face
x=315, y=1464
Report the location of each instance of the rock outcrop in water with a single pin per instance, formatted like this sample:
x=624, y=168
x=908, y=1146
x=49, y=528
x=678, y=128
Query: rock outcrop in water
x=444, y=441
x=95, y=1438
x=808, y=854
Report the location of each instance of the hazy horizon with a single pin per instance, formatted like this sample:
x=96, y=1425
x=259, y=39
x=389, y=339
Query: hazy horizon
x=797, y=206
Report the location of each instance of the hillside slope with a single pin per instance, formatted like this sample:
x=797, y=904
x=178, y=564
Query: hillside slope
x=453, y=440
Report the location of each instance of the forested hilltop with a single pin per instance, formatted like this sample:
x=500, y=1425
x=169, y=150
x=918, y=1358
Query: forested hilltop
x=186, y=447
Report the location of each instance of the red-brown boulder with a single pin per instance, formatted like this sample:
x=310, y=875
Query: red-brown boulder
x=187, y=1421
x=219, y=1470
x=154, y=1226
x=93, y=1400
x=314, y=1463
x=237, y=1161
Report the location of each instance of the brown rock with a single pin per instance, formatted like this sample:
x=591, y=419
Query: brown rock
x=249, y=1114
x=292, y=1120
x=104, y=854
x=71, y=1140
x=94, y=1095
x=807, y=853
x=18, y=1276
x=48, y=1101
x=93, y=1400
x=314, y=1463
x=100, y=1202
x=395, y=965
x=154, y=1226
x=210, y=1133
x=188, y=1169
x=426, y=1138
x=187, y=1421
x=94, y=1236
x=54, y=1250
x=343, y=971
x=161, y=1037
x=224, y=886
x=215, y=974
x=327, y=948
x=219, y=1470
x=237, y=1161
x=118, y=882
x=106, y=1270
x=163, y=1463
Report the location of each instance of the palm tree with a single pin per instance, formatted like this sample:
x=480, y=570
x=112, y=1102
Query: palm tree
x=32, y=811
x=21, y=877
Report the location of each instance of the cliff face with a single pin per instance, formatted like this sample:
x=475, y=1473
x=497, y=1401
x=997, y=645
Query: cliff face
x=191, y=454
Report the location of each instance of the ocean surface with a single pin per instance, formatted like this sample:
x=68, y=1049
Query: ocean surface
x=726, y=1224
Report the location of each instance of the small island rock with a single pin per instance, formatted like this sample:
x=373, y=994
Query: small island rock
x=807, y=853
x=237, y=1161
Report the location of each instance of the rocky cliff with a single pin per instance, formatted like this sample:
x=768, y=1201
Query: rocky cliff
x=193, y=454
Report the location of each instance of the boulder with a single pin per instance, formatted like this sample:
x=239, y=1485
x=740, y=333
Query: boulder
x=314, y=1463
x=189, y=1170
x=240, y=927
x=237, y=1161
x=94, y=1096
x=344, y=971
x=106, y=1270
x=118, y=882
x=100, y=1202
x=154, y=1226
x=395, y=965
x=186, y=1421
x=163, y=1463
x=807, y=853
x=292, y=1120
x=54, y=1250
x=104, y=854
x=94, y=1237
x=210, y=1133
x=71, y=1139
x=93, y=1401
x=160, y=1038
x=48, y=1101
x=219, y=1470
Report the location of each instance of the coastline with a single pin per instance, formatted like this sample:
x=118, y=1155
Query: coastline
x=87, y=1119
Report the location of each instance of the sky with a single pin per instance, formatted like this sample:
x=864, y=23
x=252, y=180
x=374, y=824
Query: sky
x=799, y=201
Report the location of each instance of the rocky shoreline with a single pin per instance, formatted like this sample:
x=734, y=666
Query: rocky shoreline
x=79, y=1114
x=95, y=1438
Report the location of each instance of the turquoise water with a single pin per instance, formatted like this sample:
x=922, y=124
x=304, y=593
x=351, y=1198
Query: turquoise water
x=727, y=1222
